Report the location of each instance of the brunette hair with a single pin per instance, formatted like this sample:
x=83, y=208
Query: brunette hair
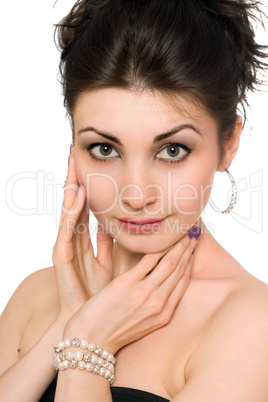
x=203, y=50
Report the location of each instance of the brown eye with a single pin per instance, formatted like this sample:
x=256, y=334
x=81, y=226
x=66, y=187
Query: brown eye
x=102, y=151
x=173, y=152
x=105, y=150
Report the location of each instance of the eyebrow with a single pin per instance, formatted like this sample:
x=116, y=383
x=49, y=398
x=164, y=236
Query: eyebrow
x=158, y=138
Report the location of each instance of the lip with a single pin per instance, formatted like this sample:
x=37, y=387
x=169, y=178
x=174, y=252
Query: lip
x=140, y=221
x=142, y=225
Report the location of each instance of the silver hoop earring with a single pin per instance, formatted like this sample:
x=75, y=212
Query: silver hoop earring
x=233, y=198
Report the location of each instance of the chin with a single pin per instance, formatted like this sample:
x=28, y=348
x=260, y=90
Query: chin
x=146, y=244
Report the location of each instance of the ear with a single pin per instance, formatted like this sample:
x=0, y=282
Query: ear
x=231, y=147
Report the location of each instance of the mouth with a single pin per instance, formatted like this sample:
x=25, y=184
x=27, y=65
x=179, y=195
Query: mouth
x=140, y=226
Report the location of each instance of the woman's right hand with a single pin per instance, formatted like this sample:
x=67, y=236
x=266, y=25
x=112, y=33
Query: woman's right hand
x=79, y=274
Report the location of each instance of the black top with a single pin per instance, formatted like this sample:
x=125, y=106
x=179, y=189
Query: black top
x=119, y=394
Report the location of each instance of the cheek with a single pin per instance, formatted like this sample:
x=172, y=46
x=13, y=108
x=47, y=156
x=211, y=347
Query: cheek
x=191, y=196
x=102, y=192
x=102, y=188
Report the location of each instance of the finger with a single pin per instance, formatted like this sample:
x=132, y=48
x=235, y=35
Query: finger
x=164, y=309
x=145, y=266
x=176, y=258
x=178, y=280
x=167, y=286
x=82, y=246
x=63, y=249
x=148, y=263
x=181, y=287
x=171, y=281
x=82, y=233
x=104, y=247
x=71, y=188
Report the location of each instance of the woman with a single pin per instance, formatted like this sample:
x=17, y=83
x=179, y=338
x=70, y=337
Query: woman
x=152, y=90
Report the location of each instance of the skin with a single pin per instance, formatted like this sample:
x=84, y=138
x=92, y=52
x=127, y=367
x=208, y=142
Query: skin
x=182, y=326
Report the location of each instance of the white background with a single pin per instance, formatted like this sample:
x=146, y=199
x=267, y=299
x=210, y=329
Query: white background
x=35, y=141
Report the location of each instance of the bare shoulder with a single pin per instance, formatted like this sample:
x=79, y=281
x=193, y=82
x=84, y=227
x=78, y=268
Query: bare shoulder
x=247, y=306
x=36, y=294
x=34, y=291
x=244, y=310
x=250, y=299
x=230, y=359
x=40, y=285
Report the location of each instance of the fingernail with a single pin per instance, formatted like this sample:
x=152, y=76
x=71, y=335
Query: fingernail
x=195, y=232
x=78, y=188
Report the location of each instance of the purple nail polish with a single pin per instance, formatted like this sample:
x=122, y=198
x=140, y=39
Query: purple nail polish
x=78, y=188
x=194, y=232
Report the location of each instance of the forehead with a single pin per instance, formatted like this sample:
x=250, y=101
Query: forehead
x=128, y=113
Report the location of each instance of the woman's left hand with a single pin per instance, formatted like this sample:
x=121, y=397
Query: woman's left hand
x=138, y=301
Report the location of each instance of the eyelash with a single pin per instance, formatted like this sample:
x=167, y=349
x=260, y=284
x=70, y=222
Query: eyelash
x=175, y=144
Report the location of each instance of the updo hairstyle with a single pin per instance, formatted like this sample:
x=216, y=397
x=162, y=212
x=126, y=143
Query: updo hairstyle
x=202, y=50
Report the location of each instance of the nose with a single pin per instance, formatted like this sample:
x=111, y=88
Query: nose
x=139, y=190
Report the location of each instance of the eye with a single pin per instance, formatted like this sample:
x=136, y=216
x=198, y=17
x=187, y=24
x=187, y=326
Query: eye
x=102, y=151
x=173, y=153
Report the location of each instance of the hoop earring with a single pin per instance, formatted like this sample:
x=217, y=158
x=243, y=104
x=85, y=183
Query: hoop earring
x=233, y=198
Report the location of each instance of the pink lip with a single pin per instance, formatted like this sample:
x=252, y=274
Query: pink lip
x=140, y=222
x=140, y=226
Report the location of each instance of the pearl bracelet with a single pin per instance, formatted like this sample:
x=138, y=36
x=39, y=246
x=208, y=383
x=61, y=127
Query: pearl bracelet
x=99, y=361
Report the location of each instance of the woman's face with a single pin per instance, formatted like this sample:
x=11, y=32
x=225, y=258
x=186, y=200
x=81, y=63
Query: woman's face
x=141, y=161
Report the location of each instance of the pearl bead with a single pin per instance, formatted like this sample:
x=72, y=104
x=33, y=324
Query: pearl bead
x=81, y=365
x=89, y=366
x=65, y=364
x=69, y=355
x=100, y=361
x=111, y=368
x=84, y=344
x=61, y=366
x=61, y=345
x=107, y=374
x=78, y=356
x=94, y=359
x=91, y=347
x=105, y=354
x=67, y=342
